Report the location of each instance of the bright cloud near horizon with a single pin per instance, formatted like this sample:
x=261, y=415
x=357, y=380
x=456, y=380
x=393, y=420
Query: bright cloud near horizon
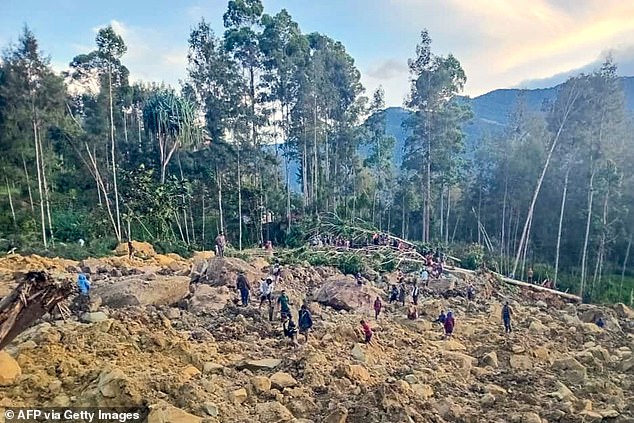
x=500, y=43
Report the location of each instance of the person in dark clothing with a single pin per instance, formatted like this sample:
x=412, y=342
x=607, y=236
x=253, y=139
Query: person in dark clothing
x=600, y=322
x=290, y=330
x=441, y=318
x=471, y=292
x=305, y=321
x=378, y=305
x=285, y=309
x=393, y=294
x=367, y=331
x=359, y=279
x=402, y=294
x=507, y=313
x=415, y=293
x=243, y=286
x=130, y=250
x=450, y=323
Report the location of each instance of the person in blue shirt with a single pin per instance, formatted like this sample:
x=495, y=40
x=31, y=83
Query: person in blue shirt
x=83, y=301
x=441, y=318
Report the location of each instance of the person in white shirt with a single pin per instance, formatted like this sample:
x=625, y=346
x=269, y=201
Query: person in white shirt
x=424, y=275
x=266, y=289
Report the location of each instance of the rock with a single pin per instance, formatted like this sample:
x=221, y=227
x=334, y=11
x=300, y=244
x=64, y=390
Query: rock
x=562, y=393
x=441, y=286
x=55, y=386
x=212, y=368
x=273, y=412
x=487, y=400
x=591, y=328
x=627, y=365
x=423, y=391
x=451, y=345
x=223, y=271
x=112, y=382
x=541, y=304
x=238, y=396
x=208, y=298
x=518, y=349
x=609, y=413
x=340, y=415
x=94, y=266
x=521, y=362
x=346, y=294
x=573, y=371
x=131, y=291
x=10, y=371
x=356, y=373
x=623, y=311
x=211, y=409
x=542, y=355
x=281, y=380
x=490, y=359
x=190, y=372
x=94, y=317
x=358, y=353
x=264, y=364
x=173, y=313
x=261, y=384
x=495, y=390
x=531, y=418
x=447, y=409
x=411, y=379
x=590, y=416
x=463, y=361
x=166, y=413
x=142, y=250
x=537, y=327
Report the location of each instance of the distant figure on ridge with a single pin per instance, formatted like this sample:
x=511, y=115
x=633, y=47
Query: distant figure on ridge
x=507, y=313
x=130, y=250
x=221, y=242
x=393, y=294
x=529, y=275
x=471, y=292
x=378, y=305
x=244, y=288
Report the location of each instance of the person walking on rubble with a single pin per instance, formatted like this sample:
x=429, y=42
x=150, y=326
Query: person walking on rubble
x=285, y=309
x=415, y=293
x=507, y=313
x=393, y=294
x=402, y=294
x=450, y=324
x=305, y=321
x=290, y=330
x=378, y=305
x=83, y=301
x=244, y=288
x=367, y=331
x=266, y=290
x=221, y=242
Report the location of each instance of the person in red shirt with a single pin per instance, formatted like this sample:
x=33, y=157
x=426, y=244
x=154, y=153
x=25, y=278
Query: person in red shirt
x=378, y=305
x=367, y=331
x=450, y=323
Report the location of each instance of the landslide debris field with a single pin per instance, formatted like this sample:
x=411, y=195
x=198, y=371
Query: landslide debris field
x=165, y=332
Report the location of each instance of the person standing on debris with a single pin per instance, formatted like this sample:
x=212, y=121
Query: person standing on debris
x=441, y=318
x=529, y=275
x=393, y=294
x=305, y=321
x=424, y=276
x=130, y=250
x=450, y=324
x=402, y=294
x=415, y=293
x=471, y=292
x=244, y=288
x=378, y=305
x=266, y=289
x=84, y=292
x=283, y=301
x=367, y=331
x=507, y=313
x=290, y=330
x=221, y=242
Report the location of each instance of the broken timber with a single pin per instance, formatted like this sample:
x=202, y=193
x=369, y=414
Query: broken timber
x=538, y=288
x=36, y=294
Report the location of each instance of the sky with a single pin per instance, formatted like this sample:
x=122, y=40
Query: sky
x=500, y=43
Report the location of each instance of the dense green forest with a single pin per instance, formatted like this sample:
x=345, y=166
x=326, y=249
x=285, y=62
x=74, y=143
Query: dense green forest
x=272, y=129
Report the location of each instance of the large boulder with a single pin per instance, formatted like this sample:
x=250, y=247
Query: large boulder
x=9, y=369
x=623, y=311
x=166, y=413
x=343, y=293
x=273, y=412
x=220, y=271
x=208, y=298
x=142, y=250
x=131, y=291
x=94, y=266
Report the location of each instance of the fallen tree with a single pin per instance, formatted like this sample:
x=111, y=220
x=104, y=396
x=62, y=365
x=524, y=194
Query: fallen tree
x=537, y=288
x=36, y=294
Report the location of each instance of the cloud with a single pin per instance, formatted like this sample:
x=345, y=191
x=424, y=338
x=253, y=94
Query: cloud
x=501, y=43
x=391, y=74
x=387, y=69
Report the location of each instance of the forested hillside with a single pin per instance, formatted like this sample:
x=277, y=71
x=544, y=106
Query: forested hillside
x=90, y=157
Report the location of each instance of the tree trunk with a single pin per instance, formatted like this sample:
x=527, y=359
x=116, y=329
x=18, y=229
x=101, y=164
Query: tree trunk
x=28, y=184
x=584, y=255
x=39, y=183
x=10, y=201
x=561, y=221
x=220, y=212
x=112, y=153
x=627, y=256
x=101, y=185
x=46, y=196
x=531, y=209
x=598, y=268
x=448, y=214
x=239, y=203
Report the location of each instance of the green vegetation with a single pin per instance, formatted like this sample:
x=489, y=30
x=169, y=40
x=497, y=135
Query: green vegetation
x=266, y=108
